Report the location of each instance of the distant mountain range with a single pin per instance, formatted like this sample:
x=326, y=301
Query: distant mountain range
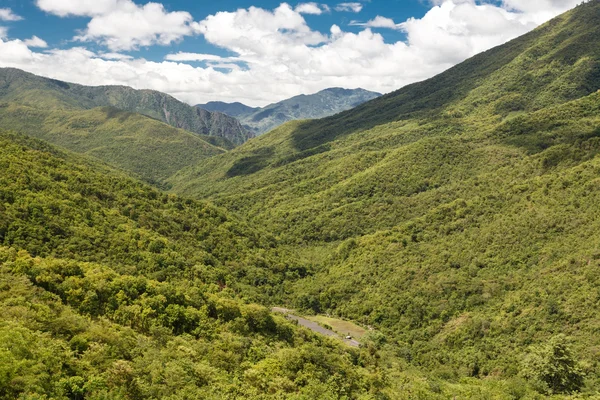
x=319, y=105
x=36, y=91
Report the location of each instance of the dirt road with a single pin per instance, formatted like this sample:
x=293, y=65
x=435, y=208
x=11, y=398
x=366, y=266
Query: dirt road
x=313, y=326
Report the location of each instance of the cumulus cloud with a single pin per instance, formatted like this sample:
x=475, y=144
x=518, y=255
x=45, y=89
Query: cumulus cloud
x=81, y=8
x=256, y=31
x=312, y=8
x=115, y=56
x=378, y=22
x=6, y=14
x=277, y=55
x=349, y=7
x=123, y=24
x=35, y=42
x=182, y=56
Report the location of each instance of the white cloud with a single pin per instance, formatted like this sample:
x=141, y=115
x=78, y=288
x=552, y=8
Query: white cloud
x=182, y=56
x=283, y=56
x=310, y=8
x=256, y=32
x=115, y=56
x=3, y=32
x=35, y=42
x=123, y=24
x=82, y=8
x=6, y=14
x=378, y=22
x=349, y=7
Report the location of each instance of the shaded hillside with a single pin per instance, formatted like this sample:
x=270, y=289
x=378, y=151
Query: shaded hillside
x=145, y=147
x=456, y=215
x=39, y=92
x=322, y=104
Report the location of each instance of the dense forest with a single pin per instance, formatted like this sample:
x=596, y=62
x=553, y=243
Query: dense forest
x=111, y=289
x=455, y=220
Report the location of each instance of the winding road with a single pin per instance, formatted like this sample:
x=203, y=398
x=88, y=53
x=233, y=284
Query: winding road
x=313, y=326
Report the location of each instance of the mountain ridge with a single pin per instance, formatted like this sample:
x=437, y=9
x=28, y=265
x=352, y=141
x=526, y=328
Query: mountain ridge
x=33, y=90
x=312, y=106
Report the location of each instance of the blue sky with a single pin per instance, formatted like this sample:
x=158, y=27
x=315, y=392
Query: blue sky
x=257, y=51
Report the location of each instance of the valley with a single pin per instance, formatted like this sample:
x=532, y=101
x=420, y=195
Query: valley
x=436, y=242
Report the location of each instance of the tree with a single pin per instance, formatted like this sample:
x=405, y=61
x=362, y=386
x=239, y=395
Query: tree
x=552, y=368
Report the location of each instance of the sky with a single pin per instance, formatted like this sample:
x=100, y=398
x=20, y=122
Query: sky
x=257, y=51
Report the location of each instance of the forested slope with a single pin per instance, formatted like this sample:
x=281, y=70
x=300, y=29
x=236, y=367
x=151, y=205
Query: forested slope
x=111, y=289
x=142, y=146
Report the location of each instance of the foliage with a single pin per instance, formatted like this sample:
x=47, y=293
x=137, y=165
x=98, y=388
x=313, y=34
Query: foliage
x=553, y=368
x=111, y=289
x=457, y=216
x=137, y=144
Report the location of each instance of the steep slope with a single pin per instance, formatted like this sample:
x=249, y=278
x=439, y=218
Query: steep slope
x=322, y=104
x=35, y=91
x=143, y=146
x=111, y=289
x=395, y=145
x=232, y=109
x=457, y=215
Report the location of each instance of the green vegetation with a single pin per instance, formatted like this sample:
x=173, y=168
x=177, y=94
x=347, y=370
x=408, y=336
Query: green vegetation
x=145, y=147
x=111, y=289
x=458, y=216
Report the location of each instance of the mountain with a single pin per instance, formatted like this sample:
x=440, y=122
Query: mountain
x=30, y=90
x=232, y=109
x=457, y=216
x=322, y=104
x=112, y=289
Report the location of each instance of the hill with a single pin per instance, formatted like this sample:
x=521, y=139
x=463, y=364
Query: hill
x=142, y=146
x=322, y=104
x=456, y=215
x=111, y=289
x=34, y=91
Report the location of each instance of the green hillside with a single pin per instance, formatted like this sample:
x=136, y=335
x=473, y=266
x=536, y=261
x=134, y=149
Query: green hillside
x=456, y=215
x=132, y=142
x=377, y=159
x=111, y=289
x=35, y=91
